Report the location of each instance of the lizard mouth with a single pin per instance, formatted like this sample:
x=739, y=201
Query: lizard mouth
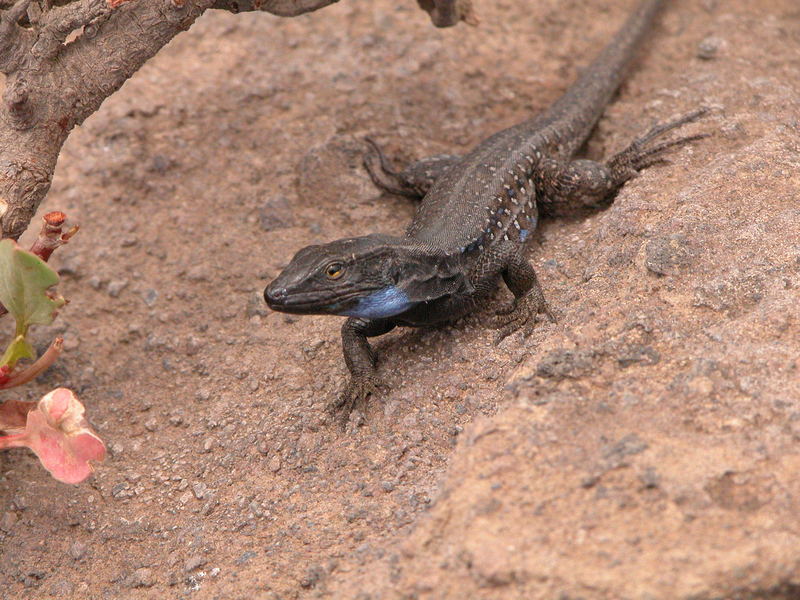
x=280, y=299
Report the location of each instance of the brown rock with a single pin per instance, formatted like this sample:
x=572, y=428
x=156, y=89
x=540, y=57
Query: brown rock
x=673, y=475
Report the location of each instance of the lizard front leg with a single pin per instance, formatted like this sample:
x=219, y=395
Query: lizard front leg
x=414, y=181
x=568, y=186
x=360, y=359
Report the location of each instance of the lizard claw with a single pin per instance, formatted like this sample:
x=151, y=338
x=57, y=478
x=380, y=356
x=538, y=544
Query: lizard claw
x=522, y=315
x=354, y=396
x=643, y=152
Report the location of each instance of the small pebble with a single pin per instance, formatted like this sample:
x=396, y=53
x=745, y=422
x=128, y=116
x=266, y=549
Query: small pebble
x=197, y=273
x=160, y=164
x=121, y=491
x=245, y=557
x=209, y=506
x=140, y=578
x=77, y=550
x=275, y=464
x=256, y=305
x=193, y=345
x=256, y=509
x=9, y=518
x=708, y=48
x=115, y=287
x=200, y=490
x=150, y=297
x=276, y=213
x=62, y=587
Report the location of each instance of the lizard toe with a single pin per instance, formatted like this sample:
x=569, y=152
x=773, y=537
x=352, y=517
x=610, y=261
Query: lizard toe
x=644, y=151
x=523, y=316
x=506, y=331
x=354, y=396
x=506, y=309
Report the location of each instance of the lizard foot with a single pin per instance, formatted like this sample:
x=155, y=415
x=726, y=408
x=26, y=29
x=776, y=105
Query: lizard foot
x=382, y=175
x=643, y=153
x=521, y=314
x=414, y=180
x=354, y=396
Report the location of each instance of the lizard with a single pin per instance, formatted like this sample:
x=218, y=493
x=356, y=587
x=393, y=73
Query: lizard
x=476, y=214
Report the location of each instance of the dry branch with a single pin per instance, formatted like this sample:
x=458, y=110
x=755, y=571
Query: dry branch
x=53, y=84
x=446, y=13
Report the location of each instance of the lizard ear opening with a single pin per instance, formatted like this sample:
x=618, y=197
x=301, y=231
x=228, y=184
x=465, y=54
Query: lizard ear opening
x=394, y=274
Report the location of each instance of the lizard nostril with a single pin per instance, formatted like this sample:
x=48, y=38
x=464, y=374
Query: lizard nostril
x=274, y=295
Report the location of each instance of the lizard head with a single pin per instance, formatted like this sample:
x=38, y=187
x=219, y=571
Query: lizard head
x=373, y=276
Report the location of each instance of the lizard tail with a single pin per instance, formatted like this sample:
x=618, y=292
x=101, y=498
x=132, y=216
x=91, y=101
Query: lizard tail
x=573, y=116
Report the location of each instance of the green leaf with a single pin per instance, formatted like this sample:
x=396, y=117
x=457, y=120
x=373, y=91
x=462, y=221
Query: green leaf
x=24, y=282
x=19, y=348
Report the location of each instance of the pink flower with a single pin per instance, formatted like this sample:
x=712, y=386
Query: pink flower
x=58, y=434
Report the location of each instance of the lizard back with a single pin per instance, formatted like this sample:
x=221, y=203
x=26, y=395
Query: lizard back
x=490, y=194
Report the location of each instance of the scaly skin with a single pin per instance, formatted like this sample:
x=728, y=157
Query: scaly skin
x=476, y=214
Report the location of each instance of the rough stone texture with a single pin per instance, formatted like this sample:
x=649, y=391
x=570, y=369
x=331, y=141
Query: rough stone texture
x=643, y=448
x=652, y=451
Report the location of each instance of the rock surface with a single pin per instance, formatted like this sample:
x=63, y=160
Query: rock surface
x=645, y=447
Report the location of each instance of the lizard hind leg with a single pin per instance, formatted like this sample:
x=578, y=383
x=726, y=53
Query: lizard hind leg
x=414, y=181
x=573, y=186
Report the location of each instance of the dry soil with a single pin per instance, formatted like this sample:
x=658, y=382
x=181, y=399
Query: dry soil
x=644, y=447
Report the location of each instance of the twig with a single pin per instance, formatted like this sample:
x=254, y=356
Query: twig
x=14, y=40
x=40, y=366
x=282, y=8
x=51, y=236
x=60, y=21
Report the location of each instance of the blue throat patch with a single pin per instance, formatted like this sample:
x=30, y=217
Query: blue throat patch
x=385, y=303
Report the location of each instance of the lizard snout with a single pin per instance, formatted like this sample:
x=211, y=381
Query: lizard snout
x=275, y=295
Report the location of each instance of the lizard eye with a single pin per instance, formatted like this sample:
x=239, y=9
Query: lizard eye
x=334, y=270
